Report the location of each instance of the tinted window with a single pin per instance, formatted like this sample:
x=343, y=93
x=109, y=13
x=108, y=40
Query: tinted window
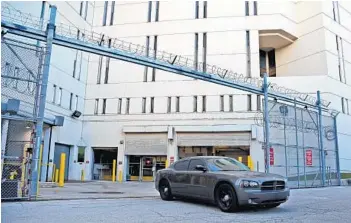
x=226, y=164
x=193, y=164
x=181, y=165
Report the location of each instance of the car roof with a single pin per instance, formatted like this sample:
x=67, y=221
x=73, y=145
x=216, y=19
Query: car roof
x=202, y=157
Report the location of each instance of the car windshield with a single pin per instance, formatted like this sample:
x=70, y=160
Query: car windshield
x=226, y=164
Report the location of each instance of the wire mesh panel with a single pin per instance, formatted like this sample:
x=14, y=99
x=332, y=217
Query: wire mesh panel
x=21, y=65
x=295, y=146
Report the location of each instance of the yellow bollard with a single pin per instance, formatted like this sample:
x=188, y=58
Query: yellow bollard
x=240, y=159
x=56, y=175
x=114, y=171
x=82, y=176
x=120, y=176
x=166, y=164
x=39, y=170
x=62, y=170
x=53, y=173
x=249, y=161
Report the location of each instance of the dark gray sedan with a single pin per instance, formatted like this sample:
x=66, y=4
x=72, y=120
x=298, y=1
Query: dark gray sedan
x=222, y=180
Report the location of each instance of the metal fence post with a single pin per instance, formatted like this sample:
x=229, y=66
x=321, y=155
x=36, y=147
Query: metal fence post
x=297, y=147
x=320, y=127
x=303, y=149
x=266, y=122
x=39, y=125
x=337, y=151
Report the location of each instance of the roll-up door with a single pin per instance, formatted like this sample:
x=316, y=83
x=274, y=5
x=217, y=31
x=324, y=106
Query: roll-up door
x=146, y=144
x=214, y=139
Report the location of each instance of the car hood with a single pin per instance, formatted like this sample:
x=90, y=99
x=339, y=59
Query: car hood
x=251, y=174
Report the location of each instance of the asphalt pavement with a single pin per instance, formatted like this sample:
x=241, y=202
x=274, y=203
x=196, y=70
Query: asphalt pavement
x=305, y=205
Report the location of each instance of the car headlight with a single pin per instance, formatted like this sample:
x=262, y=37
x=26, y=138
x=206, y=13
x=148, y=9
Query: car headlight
x=249, y=184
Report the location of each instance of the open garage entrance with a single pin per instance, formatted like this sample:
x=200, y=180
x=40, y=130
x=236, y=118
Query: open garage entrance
x=103, y=162
x=230, y=144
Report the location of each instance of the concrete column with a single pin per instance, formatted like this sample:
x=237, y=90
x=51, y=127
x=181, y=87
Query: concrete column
x=4, y=131
x=172, y=148
x=121, y=159
x=45, y=158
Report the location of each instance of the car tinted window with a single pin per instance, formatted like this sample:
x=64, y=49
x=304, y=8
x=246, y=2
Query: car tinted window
x=193, y=164
x=225, y=164
x=181, y=165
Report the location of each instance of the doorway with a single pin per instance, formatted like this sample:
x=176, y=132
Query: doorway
x=144, y=168
x=59, y=149
x=103, y=162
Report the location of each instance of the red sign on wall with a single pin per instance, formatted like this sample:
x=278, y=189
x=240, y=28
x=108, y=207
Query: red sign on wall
x=271, y=156
x=171, y=159
x=308, y=157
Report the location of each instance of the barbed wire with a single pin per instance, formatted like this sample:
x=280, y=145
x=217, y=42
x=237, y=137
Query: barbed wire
x=160, y=55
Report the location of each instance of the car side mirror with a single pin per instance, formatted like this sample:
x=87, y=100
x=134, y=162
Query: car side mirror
x=201, y=168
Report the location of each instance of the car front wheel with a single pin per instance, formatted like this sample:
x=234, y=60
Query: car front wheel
x=226, y=198
x=165, y=191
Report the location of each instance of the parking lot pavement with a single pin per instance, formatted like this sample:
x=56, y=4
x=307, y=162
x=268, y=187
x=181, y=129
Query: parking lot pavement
x=305, y=205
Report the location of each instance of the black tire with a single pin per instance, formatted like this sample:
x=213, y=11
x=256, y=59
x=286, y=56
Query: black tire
x=271, y=206
x=165, y=190
x=226, y=198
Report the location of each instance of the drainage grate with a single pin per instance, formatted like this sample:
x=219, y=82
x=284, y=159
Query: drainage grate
x=101, y=192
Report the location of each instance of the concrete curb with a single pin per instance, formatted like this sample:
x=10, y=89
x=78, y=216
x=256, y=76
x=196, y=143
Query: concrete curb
x=81, y=198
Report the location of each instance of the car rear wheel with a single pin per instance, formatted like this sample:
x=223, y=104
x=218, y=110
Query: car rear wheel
x=226, y=198
x=165, y=191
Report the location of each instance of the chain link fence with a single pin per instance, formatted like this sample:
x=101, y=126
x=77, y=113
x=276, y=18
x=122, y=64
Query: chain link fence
x=295, y=146
x=21, y=65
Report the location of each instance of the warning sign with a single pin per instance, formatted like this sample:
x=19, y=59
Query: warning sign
x=271, y=156
x=309, y=157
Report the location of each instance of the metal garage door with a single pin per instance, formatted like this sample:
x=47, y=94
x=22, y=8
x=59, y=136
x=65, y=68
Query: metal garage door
x=146, y=144
x=60, y=148
x=214, y=139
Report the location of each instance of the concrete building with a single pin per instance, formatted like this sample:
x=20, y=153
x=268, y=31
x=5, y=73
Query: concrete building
x=143, y=117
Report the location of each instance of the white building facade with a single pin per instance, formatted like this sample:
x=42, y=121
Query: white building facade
x=142, y=116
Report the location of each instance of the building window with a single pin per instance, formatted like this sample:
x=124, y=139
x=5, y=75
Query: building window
x=177, y=104
x=119, y=106
x=81, y=8
x=152, y=104
x=255, y=7
x=155, y=54
x=96, y=109
x=248, y=54
x=169, y=104
x=54, y=94
x=249, y=107
x=98, y=81
x=196, y=51
x=343, y=107
x=107, y=70
x=267, y=63
x=147, y=54
x=76, y=108
x=195, y=104
x=112, y=13
x=149, y=11
x=347, y=106
x=104, y=106
x=196, y=9
x=221, y=103
x=259, y=103
x=59, y=96
x=16, y=74
x=247, y=8
x=81, y=154
x=127, y=105
x=231, y=107
x=71, y=102
x=204, y=52
x=105, y=14
x=86, y=10
x=143, y=105
x=205, y=9
x=157, y=13
x=204, y=103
